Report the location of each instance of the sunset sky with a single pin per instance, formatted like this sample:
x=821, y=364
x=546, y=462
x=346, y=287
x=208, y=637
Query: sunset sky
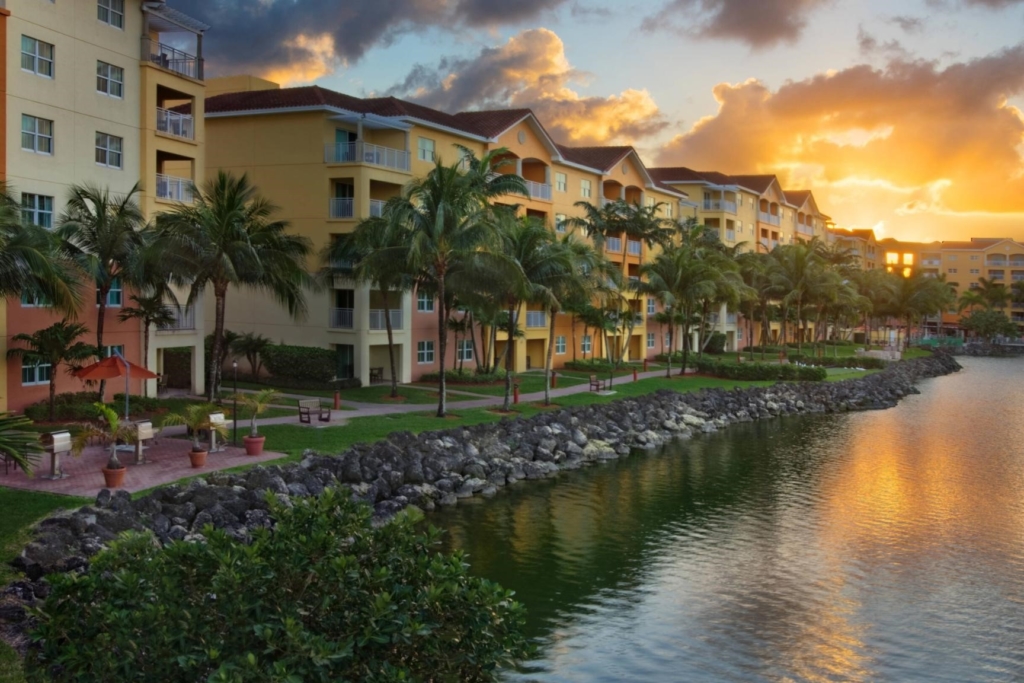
x=903, y=115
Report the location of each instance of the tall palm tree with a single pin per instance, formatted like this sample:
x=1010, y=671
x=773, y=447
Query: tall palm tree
x=793, y=274
x=995, y=294
x=755, y=272
x=17, y=442
x=251, y=345
x=148, y=310
x=102, y=233
x=55, y=346
x=228, y=238
x=970, y=300
x=660, y=281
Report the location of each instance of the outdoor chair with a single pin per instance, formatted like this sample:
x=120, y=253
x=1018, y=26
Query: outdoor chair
x=307, y=406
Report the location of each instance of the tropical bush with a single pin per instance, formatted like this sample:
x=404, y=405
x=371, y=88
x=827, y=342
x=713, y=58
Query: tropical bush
x=847, y=362
x=465, y=377
x=761, y=371
x=326, y=596
x=716, y=344
x=590, y=365
x=300, y=363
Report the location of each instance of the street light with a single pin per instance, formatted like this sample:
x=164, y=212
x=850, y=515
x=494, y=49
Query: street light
x=234, y=412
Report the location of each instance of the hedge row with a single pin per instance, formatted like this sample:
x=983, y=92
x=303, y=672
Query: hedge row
x=465, y=377
x=761, y=371
x=590, y=365
x=79, y=406
x=847, y=362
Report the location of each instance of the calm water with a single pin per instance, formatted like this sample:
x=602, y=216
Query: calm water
x=880, y=546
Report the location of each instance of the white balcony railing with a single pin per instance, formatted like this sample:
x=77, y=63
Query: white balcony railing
x=633, y=247
x=536, y=319
x=768, y=218
x=805, y=229
x=730, y=319
x=342, y=207
x=996, y=262
x=342, y=319
x=377, y=207
x=171, y=58
x=173, y=123
x=538, y=190
x=931, y=262
x=184, y=319
x=364, y=153
x=719, y=205
x=614, y=244
x=1017, y=277
x=174, y=189
x=377, y=319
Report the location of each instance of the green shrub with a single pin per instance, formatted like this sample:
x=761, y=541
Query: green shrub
x=465, y=377
x=766, y=349
x=847, y=362
x=300, y=363
x=590, y=365
x=323, y=597
x=761, y=371
x=716, y=344
x=67, y=406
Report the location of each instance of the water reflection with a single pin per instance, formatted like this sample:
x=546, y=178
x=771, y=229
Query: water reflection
x=874, y=546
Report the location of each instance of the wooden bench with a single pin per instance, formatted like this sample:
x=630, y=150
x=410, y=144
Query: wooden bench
x=376, y=375
x=308, y=405
x=596, y=384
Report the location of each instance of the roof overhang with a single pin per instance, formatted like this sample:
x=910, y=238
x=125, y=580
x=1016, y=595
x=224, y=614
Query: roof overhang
x=372, y=121
x=165, y=19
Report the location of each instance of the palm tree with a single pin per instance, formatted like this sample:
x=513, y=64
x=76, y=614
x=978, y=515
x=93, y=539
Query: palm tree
x=148, y=310
x=251, y=345
x=877, y=287
x=795, y=267
x=917, y=296
x=55, y=345
x=970, y=300
x=227, y=238
x=994, y=293
x=17, y=443
x=755, y=272
x=103, y=235
x=660, y=281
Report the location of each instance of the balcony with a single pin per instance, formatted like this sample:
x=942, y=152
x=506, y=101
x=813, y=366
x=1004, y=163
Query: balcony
x=173, y=123
x=377, y=207
x=730, y=235
x=172, y=59
x=377, y=319
x=613, y=244
x=184, y=319
x=364, y=153
x=768, y=218
x=173, y=189
x=998, y=262
x=633, y=247
x=730, y=319
x=931, y=262
x=719, y=205
x=536, y=319
x=1017, y=277
x=805, y=229
x=342, y=207
x=342, y=319
x=538, y=190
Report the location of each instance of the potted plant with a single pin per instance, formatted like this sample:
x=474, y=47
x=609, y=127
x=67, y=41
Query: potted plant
x=257, y=403
x=196, y=418
x=110, y=431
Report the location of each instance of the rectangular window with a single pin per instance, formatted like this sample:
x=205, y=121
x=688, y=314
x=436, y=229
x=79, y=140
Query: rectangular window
x=975, y=271
x=668, y=340
x=585, y=344
x=36, y=134
x=108, y=150
x=35, y=374
x=115, y=295
x=651, y=307
x=465, y=350
x=37, y=209
x=426, y=149
x=974, y=257
x=951, y=257
x=425, y=352
x=561, y=182
x=109, y=79
x=37, y=56
x=560, y=344
x=559, y=222
x=108, y=351
x=951, y=271
x=111, y=12
x=33, y=300
x=424, y=303
x=650, y=340
x=650, y=202
x=585, y=188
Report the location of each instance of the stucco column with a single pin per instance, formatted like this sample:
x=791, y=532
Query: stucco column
x=361, y=322
x=404, y=354
x=547, y=175
x=198, y=368
x=519, y=167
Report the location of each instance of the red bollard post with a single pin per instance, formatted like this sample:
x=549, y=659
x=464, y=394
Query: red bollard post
x=554, y=380
x=515, y=393
x=634, y=374
x=337, y=399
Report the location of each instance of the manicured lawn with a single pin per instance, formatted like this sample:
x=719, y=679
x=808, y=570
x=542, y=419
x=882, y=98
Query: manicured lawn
x=378, y=393
x=528, y=384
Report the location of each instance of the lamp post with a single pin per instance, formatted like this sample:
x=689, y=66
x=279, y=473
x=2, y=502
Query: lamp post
x=234, y=412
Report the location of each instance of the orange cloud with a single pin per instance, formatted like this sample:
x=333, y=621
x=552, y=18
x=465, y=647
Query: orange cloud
x=315, y=58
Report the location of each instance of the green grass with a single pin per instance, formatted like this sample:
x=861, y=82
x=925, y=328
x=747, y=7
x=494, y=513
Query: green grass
x=528, y=384
x=10, y=666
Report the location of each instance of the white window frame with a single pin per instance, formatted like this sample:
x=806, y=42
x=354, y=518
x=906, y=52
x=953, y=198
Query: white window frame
x=668, y=210
x=561, y=182
x=560, y=222
x=34, y=207
x=560, y=345
x=36, y=134
x=652, y=307
x=586, y=189
x=951, y=271
x=464, y=350
x=108, y=351
x=586, y=344
x=37, y=58
x=975, y=257
x=668, y=340
x=32, y=300
x=110, y=12
x=426, y=153
x=650, y=340
x=113, y=76
x=425, y=353
x=104, y=147
x=35, y=372
x=424, y=303
x=975, y=271
x=115, y=295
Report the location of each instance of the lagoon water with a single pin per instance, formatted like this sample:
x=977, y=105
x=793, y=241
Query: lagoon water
x=877, y=546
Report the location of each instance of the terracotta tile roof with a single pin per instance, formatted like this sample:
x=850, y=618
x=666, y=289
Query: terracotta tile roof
x=601, y=158
x=492, y=123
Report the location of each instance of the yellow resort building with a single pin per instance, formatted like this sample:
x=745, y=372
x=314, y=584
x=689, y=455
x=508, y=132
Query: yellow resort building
x=91, y=89
x=328, y=160
x=861, y=242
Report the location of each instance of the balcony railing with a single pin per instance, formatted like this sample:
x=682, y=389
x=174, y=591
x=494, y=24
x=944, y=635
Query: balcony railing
x=173, y=123
x=342, y=207
x=184, y=319
x=996, y=262
x=174, y=189
x=730, y=319
x=377, y=207
x=768, y=218
x=536, y=319
x=538, y=190
x=719, y=205
x=931, y=262
x=1017, y=277
x=614, y=244
x=633, y=247
x=377, y=319
x=172, y=59
x=805, y=229
x=360, y=152
x=1017, y=264
x=730, y=235
x=342, y=319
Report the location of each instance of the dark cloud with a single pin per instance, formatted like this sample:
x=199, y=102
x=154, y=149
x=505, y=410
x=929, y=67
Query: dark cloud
x=283, y=36
x=761, y=25
x=988, y=4
x=908, y=24
x=870, y=46
x=581, y=11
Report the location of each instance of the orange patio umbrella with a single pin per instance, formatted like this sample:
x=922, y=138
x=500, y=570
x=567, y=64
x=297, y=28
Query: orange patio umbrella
x=115, y=366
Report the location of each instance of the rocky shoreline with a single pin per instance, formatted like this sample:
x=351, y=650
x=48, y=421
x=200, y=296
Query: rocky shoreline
x=436, y=468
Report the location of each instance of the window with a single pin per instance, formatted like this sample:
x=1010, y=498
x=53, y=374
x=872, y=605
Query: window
x=585, y=188
x=35, y=374
x=951, y=257
x=36, y=134
x=974, y=257
x=109, y=79
x=560, y=344
x=651, y=307
x=668, y=340
x=465, y=350
x=115, y=295
x=585, y=344
x=109, y=351
x=33, y=300
x=37, y=56
x=426, y=149
x=559, y=222
x=111, y=12
x=951, y=271
x=739, y=227
x=650, y=340
x=668, y=210
x=37, y=209
x=425, y=352
x=108, y=150
x=975, y=271
x=650, y=202
x=561, y=182
x=424, y=303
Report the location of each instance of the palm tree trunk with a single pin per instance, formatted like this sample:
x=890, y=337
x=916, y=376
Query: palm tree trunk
x=547, y=362
x=668, y=364
x=53, y=388
x=573, y=337
x=472, y=340
x=391, y=342
x=687, y=315
x=442, y=340
x=507, y=405
x=799, y=326
x=101, y=316
x=220, y=294
x=145, y=357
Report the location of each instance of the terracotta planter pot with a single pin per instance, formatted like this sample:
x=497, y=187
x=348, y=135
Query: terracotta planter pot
x=254, y=444
x=114, y=478
x=198, y=458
